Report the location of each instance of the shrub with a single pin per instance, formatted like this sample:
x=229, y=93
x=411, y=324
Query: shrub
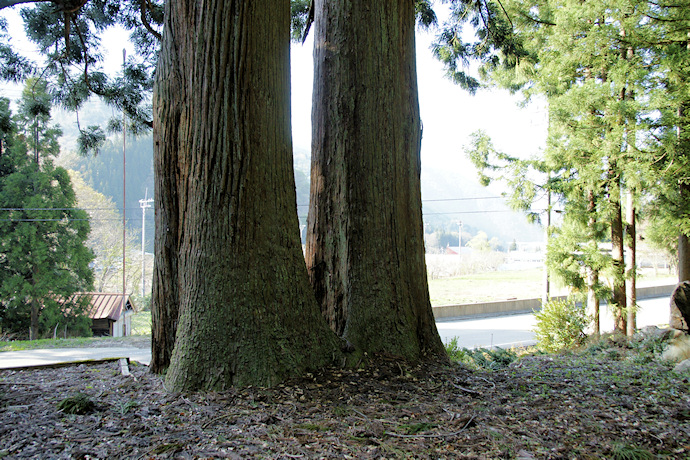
x=561, y=325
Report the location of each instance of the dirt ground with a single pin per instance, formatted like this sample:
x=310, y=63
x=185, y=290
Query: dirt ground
x=607, y=402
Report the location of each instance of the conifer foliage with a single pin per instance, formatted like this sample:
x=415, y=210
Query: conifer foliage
x=43, y=256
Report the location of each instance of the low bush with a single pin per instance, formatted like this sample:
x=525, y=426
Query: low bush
x=561, y=325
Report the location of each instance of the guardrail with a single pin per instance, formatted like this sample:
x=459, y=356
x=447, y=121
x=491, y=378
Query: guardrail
x=514, y=306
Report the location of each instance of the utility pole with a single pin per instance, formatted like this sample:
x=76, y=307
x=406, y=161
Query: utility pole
x=547, y=233
x=124, y=194
x=145, y=203
x=460, y=235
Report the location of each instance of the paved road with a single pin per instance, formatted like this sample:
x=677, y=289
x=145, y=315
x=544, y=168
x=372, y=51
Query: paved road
x=516, y=330
x=27, y=358
x=503, y=331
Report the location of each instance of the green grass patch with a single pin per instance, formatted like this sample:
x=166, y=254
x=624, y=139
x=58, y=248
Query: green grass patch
x=485, y=287
x=18, y=345
x=141, y=323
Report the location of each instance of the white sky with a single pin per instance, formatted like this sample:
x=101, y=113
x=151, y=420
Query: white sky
x=449, y=114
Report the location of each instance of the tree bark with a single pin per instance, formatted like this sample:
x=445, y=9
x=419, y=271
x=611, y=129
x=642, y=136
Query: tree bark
x=230, y=240
x=683, y=258
x=168, y=140
x=365, y=246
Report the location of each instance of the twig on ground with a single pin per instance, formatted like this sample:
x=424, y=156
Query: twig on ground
x=493, y=385
x=466, y=390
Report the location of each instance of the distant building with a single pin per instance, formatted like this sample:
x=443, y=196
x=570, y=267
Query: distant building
x=107, y=314
x=458, y=251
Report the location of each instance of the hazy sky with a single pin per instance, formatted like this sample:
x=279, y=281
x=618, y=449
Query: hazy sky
x=449, y=114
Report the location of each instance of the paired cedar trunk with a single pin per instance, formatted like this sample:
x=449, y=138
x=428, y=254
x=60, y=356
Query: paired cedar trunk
x=230, y=240
x=365, y=248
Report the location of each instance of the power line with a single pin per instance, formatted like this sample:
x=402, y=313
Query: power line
x=448, y=199
x=456, y=212
x=466, y=199
x=67, y=209
x=466, y=212
x=48, y=220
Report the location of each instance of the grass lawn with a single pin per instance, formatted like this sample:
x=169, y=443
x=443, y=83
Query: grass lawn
x=17, y=345
x=484, y=287
x=506, y=285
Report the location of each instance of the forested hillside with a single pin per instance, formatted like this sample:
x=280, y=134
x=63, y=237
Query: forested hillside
x=446, y=199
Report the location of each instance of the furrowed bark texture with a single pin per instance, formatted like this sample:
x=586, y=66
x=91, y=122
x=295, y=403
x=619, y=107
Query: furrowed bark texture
x=247, y=315
x=168, y=104
x=365, y=249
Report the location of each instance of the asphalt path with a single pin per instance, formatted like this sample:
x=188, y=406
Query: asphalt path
x=51, y=356
x=502, y=331
x=516, y=330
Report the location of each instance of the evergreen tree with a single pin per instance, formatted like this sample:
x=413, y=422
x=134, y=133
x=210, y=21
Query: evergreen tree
x=596, y=63
x=667, y=148
x=43, y=257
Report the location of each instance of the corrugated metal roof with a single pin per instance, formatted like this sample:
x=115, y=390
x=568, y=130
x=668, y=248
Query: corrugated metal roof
x=104, y=305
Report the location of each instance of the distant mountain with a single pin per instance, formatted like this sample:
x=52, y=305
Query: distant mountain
x=448, y=197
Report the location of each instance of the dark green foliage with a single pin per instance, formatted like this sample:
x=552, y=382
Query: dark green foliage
x=43, y=257
x=561, y=325
x=44, y=253
x=91, y=139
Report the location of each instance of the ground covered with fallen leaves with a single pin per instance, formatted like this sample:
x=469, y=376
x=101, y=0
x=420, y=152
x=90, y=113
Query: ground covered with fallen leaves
x=607, y=401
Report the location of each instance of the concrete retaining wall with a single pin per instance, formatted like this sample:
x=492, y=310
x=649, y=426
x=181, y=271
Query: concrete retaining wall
x=507, y=307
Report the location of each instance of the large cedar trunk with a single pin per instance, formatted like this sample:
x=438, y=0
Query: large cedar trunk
x=365, y=247
x=230, y=240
